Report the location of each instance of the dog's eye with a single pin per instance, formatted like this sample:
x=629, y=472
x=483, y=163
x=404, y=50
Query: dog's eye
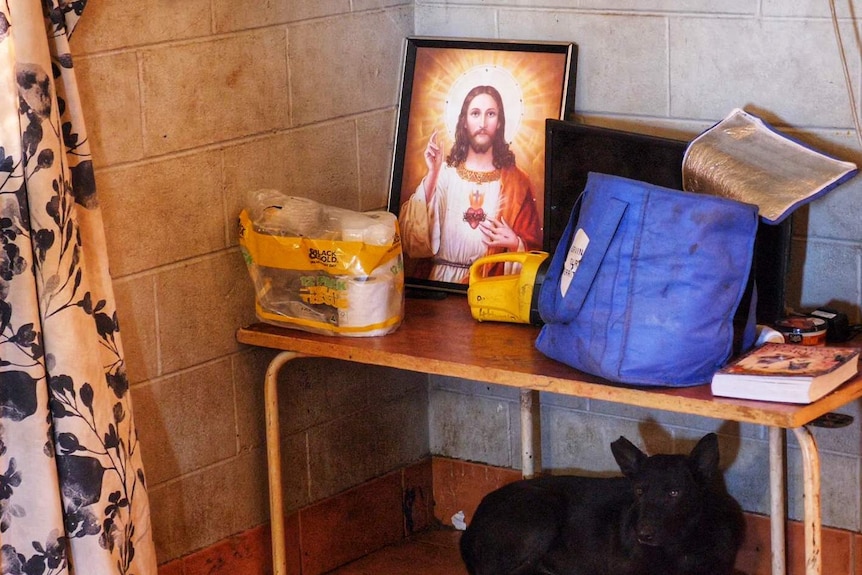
x=673, y=492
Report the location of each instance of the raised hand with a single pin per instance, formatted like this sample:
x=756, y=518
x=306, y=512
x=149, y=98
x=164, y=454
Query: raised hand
x=434, y=161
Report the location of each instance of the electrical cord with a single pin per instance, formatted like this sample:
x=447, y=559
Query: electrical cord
x=847, y=81
x=854, y=330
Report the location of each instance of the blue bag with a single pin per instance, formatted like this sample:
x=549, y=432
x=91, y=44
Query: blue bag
x=645, y=283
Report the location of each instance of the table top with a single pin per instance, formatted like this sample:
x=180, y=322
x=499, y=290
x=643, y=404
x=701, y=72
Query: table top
x=441, y=337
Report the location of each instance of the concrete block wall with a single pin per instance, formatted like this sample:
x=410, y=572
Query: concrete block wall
x=673, y=68
x=189, y=106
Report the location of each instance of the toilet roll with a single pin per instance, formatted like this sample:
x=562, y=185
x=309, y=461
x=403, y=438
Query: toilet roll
x=292, y=216
x=374, y=299
x=372, y=228
x=369, y=302
x=352, y=226
x=302, y=216
x=381, y=231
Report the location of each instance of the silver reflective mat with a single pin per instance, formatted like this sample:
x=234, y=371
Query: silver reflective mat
x=745, y=159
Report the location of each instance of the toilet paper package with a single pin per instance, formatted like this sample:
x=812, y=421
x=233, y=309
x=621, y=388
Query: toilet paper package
x=321, y=268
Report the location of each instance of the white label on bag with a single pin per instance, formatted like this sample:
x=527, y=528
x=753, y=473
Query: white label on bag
x=573, y=259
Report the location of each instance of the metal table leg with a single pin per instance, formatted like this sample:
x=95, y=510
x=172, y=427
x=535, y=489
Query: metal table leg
x=777, y=497
x=528, y=468
x=273, y=459
x=811, y=500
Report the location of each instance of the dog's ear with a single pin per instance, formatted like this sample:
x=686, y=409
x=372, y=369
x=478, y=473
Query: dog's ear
x=704, y=457
x=628, y=457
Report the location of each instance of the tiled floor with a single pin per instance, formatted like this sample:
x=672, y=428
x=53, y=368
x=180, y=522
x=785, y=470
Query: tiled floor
x=433, y=552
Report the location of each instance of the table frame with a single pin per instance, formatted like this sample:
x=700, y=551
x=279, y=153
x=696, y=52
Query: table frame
x=441, y=338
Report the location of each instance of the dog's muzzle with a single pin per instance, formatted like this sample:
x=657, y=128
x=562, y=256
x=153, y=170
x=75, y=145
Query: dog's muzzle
x=647, y=535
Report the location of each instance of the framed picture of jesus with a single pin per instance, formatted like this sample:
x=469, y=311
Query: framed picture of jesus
x=469, y=163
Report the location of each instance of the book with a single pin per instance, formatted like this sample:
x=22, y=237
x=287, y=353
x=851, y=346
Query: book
x=786, y=372
x=745, y=159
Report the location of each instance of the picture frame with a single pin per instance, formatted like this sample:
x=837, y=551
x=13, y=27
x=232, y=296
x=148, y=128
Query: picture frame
x=472, y=121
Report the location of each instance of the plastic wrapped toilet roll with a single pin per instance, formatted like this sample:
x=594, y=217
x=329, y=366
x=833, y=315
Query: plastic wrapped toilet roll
x=321, y=268
x=368, y=302
x=381, y=232
x=352, y=226
x=372, y=300
x=302, y=216
x=372, y=228
x=288, y=215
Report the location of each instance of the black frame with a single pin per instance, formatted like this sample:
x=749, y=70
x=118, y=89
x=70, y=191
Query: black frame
x=411, y=132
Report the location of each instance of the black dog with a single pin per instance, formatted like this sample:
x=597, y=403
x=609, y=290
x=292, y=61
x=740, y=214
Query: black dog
x=668, y=515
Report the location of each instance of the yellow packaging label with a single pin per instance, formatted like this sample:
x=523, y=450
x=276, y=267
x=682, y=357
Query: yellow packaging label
x=298, y=253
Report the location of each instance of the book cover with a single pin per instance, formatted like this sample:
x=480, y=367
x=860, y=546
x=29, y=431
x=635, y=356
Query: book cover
x=787, y=372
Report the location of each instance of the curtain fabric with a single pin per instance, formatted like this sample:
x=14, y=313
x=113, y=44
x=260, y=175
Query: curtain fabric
x=72, y=493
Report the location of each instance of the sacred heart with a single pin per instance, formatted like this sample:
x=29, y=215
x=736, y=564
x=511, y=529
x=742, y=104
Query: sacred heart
x=474, y=217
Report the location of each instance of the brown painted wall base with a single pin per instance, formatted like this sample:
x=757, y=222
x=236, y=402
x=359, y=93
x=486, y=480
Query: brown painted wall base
x=387, y=509
x=328, y=533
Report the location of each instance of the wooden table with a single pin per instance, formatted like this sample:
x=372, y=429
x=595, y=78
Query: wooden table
x=440, y=337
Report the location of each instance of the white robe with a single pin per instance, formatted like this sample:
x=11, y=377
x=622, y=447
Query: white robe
x=454, y=243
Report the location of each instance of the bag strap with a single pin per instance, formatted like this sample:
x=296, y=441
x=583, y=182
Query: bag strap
x=600, y=228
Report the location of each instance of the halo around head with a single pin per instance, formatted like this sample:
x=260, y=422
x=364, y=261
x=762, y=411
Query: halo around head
x=486, y=75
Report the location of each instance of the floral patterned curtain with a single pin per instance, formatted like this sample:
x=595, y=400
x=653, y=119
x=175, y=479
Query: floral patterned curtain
x=72, y=492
